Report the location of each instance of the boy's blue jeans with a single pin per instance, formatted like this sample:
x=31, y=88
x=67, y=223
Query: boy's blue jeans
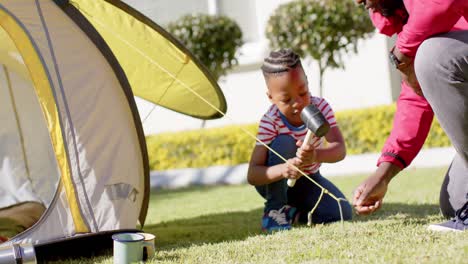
x=305, y=193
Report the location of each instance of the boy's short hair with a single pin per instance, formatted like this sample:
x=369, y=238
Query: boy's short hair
x=280, y=61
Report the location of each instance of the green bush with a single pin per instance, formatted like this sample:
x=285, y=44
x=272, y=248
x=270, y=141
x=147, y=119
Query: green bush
x=320, y=29
x=229, y=145
x=214, y=40
x=364, y=130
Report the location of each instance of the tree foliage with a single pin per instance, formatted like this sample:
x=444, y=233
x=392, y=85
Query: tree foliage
x=321, y=29
x=214, y=40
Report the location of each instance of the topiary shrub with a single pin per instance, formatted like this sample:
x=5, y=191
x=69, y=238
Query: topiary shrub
x=319, y=29
x=214, y=40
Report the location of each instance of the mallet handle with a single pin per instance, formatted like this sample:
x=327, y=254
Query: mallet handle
x=307, y=140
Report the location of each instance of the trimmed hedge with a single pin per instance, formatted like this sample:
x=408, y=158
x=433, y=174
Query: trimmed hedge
x=364, y=130
x=229, y=145
x=214, y=40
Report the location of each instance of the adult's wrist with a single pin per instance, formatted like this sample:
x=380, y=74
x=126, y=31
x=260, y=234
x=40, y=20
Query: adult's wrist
x=392, y=157
x=387, y=170
x=400, y=60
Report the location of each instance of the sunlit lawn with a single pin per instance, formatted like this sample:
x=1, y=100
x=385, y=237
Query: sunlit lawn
x=222, y=225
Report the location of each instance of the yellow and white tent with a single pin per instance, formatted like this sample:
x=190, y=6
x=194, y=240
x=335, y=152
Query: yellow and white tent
x=71, y=140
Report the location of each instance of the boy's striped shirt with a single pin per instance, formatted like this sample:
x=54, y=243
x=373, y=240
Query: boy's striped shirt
x=273, y=124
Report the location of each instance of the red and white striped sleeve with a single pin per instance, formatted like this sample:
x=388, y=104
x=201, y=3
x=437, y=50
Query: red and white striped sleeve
x=267, y=130
x=327, y=112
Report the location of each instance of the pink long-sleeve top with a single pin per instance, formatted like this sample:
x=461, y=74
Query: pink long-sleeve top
x=428, y=18
x=414, y=115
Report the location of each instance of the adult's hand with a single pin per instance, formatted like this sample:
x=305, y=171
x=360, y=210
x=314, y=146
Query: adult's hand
x=368, y=196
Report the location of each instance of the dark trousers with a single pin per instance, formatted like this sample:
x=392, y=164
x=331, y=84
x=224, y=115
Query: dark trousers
x=304, y=194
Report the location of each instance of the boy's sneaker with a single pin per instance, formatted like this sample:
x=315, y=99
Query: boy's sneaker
x=457, y=224
x=275, y=220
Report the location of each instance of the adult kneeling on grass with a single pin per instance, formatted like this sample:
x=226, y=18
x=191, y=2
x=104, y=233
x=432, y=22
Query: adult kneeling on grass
x=431, y=53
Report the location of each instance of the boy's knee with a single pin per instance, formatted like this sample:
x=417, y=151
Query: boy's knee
x=283, y=144
x=346, y=211
x=332, y=213
x=283, y=141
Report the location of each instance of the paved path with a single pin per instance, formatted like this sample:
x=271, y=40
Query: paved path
x=352, y=164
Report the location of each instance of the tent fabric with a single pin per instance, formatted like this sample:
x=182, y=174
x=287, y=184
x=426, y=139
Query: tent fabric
x=159, y=69
x=30, y=52
x=84, y=104
x=99, y=42
x=10, y=56
x=24, y=145
x=71, y=140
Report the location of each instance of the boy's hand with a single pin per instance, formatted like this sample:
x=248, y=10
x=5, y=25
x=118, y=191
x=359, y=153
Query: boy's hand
x=306, y=154
x=289, y=172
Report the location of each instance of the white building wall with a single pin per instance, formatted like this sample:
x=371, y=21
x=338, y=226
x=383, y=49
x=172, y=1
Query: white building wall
x=165, y=11
x=365, y=81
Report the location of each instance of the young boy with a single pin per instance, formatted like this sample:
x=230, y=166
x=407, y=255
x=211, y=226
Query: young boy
x=282, y=129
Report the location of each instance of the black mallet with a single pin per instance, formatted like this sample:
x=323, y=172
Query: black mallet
x=316, y=125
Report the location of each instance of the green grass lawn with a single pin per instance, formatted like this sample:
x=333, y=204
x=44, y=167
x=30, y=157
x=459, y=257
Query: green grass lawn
x=221, y=224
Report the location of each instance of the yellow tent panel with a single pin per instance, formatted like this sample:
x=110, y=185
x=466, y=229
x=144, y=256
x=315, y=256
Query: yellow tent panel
x=159, y=69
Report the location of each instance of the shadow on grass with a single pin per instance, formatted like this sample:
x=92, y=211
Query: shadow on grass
x=208, y=229
x=414, y=212
x=212, y=228
x=236, y=226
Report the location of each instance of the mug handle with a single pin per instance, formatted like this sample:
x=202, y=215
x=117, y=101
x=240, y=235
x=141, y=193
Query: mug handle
x=145, y=252
x=147, y=247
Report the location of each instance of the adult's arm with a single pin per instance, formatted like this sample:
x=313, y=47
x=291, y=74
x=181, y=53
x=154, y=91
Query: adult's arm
x=411, y=125
x=388, y=25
